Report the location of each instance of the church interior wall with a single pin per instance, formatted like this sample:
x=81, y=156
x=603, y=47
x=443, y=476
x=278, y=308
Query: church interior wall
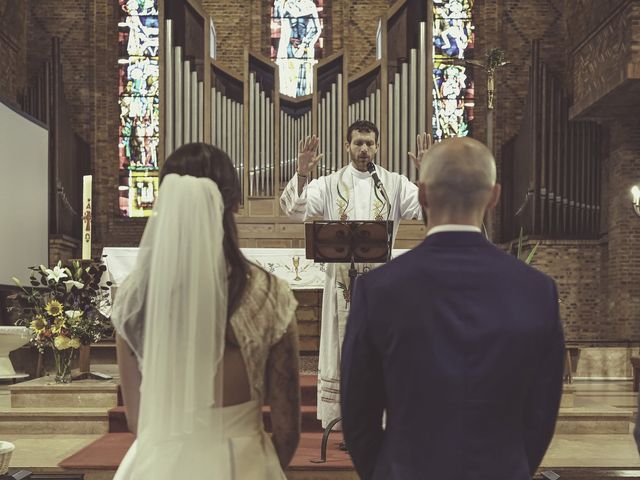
x=13, y=49
x=594, y=276
x=236, y=26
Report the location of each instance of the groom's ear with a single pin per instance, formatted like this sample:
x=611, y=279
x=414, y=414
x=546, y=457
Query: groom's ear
x=422, y=195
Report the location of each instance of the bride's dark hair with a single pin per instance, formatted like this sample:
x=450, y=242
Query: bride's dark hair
x=203, y=160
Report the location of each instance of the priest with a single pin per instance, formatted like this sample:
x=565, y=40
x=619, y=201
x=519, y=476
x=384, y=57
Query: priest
x=348, y=194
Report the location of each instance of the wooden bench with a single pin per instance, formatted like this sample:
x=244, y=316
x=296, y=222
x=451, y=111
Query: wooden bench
x=635, y=364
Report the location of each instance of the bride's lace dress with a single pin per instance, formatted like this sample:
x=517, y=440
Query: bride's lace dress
x=266, y=310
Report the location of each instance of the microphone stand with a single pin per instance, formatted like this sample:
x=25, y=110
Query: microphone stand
x=389, y=233
x=379, y=185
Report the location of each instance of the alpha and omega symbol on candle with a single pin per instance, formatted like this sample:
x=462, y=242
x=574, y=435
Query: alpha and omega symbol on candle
x=86, y=218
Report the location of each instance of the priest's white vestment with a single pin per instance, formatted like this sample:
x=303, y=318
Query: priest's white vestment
x=347, y=194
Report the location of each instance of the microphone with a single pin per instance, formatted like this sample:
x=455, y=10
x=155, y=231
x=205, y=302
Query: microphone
x=376, y=180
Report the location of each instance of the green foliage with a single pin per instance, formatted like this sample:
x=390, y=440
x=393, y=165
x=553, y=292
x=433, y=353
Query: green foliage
x=519, y=252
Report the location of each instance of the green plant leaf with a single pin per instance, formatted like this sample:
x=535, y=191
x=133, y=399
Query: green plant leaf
x=519, y=252
x=531, y=254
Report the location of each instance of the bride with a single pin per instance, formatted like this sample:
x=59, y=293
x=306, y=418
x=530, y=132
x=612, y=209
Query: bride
x=204, y=337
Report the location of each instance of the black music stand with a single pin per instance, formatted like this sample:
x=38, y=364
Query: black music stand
x=349, y=241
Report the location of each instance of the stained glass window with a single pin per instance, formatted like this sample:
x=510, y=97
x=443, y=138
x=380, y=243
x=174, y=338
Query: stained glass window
x=139, y=99
x=297, y=43
x=453, y=88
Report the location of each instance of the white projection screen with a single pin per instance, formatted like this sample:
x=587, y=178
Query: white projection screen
x=24, y=195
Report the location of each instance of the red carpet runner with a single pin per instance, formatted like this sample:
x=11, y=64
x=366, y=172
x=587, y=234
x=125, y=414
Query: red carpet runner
x=107, y=452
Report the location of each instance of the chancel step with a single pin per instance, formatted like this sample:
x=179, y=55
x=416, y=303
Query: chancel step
x=45, y=393
x=58, y=421
x=309, y=421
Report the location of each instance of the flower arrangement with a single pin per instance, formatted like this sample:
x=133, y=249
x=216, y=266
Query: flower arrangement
x=62, y=309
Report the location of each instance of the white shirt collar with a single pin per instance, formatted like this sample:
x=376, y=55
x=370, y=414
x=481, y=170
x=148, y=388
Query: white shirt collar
x=453, y=228
x=357, y=173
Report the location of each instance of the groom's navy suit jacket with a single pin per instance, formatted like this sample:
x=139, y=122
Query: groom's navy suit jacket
x=462, y=346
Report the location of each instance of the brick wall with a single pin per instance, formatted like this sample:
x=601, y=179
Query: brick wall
x=576, y=267
x=360, y=26
x=69, y=20
x=13, y=49
x=623, y=266
x=235, y=27
x=88, y=43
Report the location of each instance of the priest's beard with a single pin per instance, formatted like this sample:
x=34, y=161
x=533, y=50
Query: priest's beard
x=360, y=162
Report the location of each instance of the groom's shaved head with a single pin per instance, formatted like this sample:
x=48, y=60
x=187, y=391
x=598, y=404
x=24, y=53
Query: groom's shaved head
x=458, y=174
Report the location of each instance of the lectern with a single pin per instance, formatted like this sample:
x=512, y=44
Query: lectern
x=351, y=241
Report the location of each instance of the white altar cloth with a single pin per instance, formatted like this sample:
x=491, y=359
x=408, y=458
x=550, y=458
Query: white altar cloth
x=289, y=264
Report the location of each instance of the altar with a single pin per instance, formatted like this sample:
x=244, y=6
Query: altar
x=289, y=264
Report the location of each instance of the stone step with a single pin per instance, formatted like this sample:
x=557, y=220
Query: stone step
x=57, y=421
x=118, y=420
x=44, y=393
x=308, y=389
x=582, y=420
x=308, y=413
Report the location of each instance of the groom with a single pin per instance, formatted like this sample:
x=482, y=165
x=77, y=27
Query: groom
x=458, y=342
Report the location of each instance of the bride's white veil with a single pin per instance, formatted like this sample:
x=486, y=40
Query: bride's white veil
x=179, y=289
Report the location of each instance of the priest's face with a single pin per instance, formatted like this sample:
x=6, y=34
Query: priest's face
x=362, y=149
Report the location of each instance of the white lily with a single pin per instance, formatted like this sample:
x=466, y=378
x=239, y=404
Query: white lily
x=73, y=314
x=72, y=283
x=56, y=273
x=16, y=281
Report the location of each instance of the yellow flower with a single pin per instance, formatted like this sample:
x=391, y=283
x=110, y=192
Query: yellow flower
x=75, y=343
x=38, y=324
x=54, y=308
x=58, y=324
x=62, y=342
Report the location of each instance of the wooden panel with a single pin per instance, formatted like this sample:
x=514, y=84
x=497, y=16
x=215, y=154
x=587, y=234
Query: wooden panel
x=309, y=329
x=309, y=344
x=307, y=314
x=403, y=244
x=255, y=230
x=296, y=229
x=415, y=230
x=273, y=243
x=263, y=207
x=308, y=297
